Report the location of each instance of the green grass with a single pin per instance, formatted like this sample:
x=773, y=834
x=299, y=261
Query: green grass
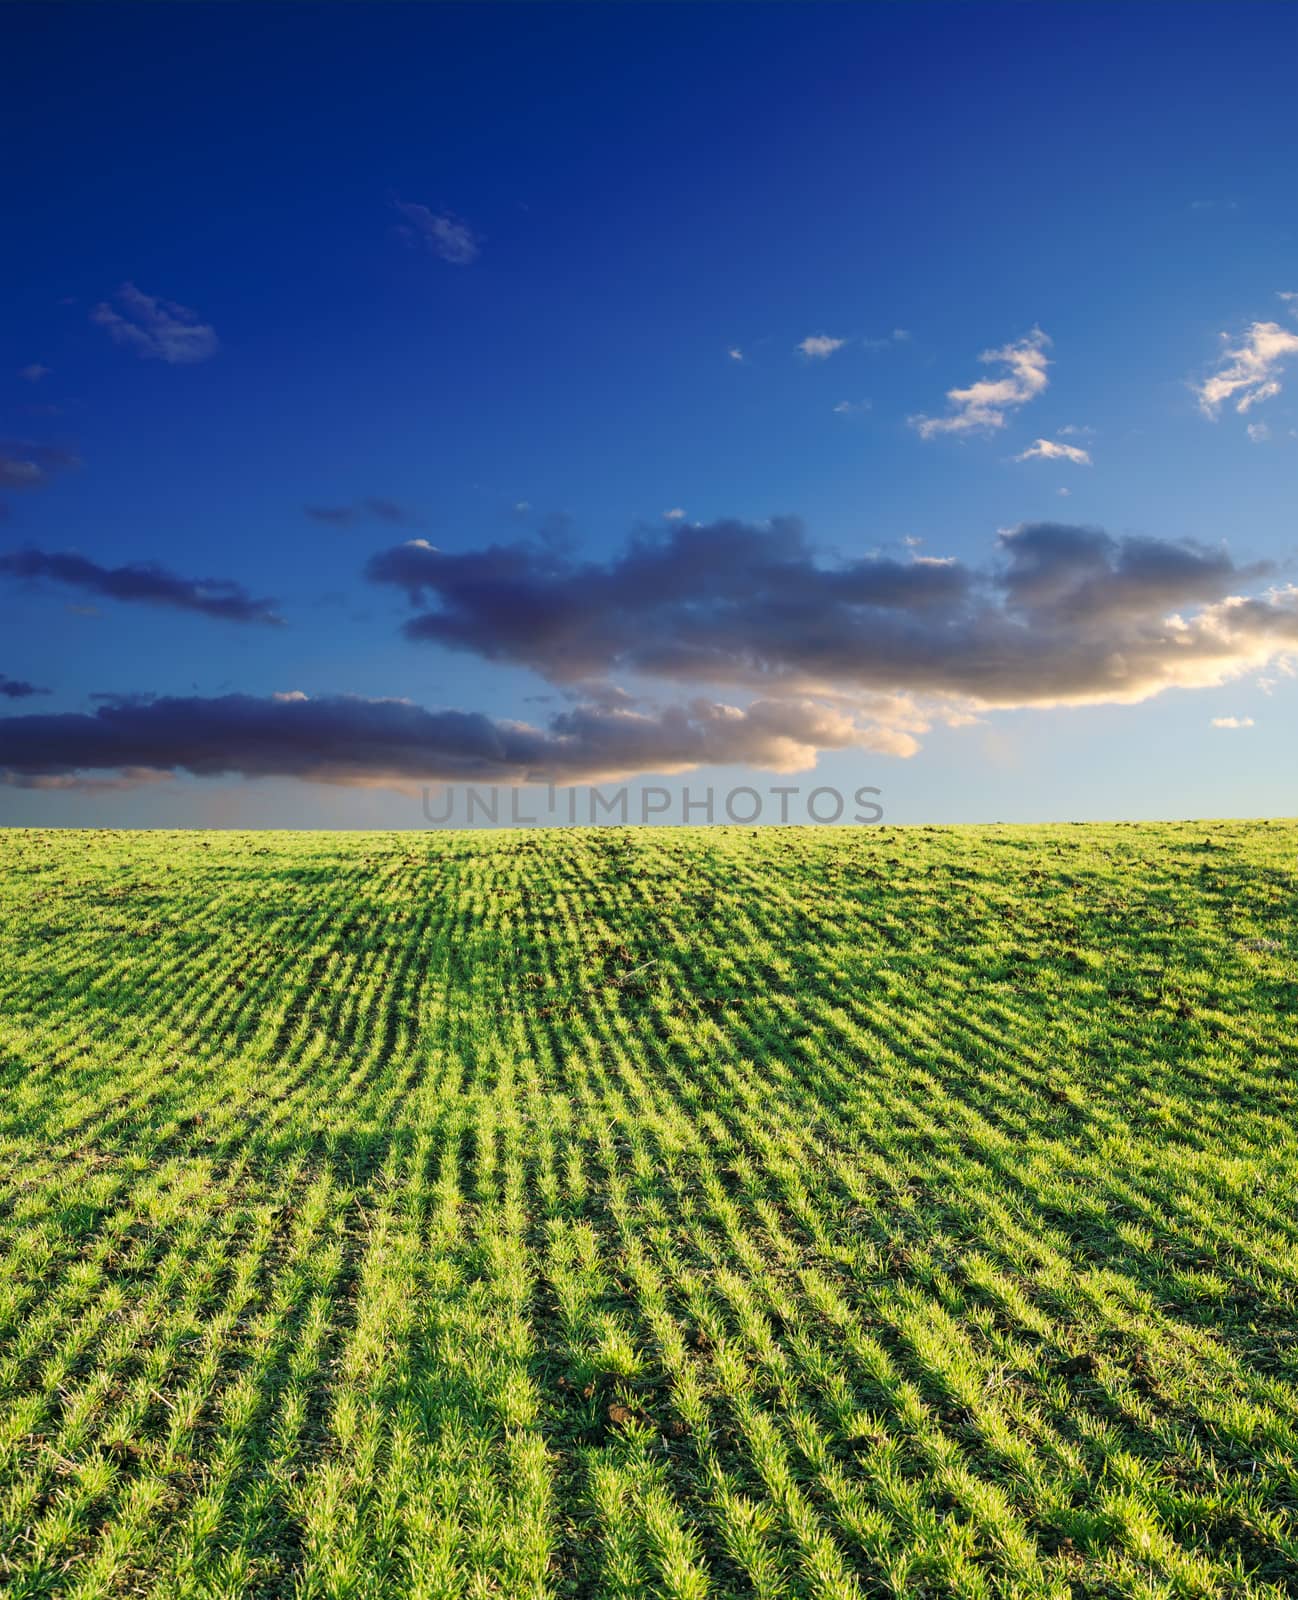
x=681, y=1213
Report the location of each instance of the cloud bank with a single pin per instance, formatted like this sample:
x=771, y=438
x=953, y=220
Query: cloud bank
x=392, y=743
x=1061, y=615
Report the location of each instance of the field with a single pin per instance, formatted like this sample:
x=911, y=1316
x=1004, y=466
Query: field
x=650, y=1212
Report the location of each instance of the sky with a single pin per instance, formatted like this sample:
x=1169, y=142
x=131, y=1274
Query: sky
x=395, y=397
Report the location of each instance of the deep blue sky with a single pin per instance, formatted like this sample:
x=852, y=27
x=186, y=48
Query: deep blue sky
x=646, y=189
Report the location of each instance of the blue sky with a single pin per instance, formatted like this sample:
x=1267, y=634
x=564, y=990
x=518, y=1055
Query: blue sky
x=530, y=278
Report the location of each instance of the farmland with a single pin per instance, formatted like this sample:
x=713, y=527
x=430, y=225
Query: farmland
x=790, y=1213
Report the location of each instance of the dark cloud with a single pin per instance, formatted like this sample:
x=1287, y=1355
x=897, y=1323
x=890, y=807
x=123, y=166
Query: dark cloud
x=375, y=508
x=31, y=466
x=142, y=581
x=349, y=740
x=156, y=328
x=18, y=688
x=1062, y=614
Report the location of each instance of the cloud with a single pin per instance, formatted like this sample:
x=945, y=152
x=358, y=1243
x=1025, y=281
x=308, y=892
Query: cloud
x=442, y=234
x=159, y=329
x=851, y=408
x=676, y=514
x=18, y=688
x=144, y=582
x=982, y=407
x=897, y=336
x=1062, y=614
x=819, y=346
x=34, y=372
x=1232, y=722
x=31, y=466
x=735, y=353
x=1258, y=432
x=1248, y=371
x=350, y=740
x=1049, y=450
x=375, y=508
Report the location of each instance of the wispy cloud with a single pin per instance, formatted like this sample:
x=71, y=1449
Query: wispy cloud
x=1249, y=370
x=819, y=346
x=18, y=688
x=735, y=353
x=375, y=508
x=982, y=407
x=24, y=465
x=34, y=372
x=1232, y=722
x=676, y=514
x=897, y=336
x=156, y=328
x=442, y=234
x=1051, y=450
x=1258, y=432
x=144, y=582
x=851, y=408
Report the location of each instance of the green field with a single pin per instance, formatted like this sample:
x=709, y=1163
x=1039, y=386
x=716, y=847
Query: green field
x=802, y=1212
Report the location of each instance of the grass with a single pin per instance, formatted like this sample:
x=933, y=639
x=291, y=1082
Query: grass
x=682, y=1213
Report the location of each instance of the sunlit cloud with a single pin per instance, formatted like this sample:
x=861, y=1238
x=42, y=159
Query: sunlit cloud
x=1051, y=450
x=983, y=406
x=1249, y=370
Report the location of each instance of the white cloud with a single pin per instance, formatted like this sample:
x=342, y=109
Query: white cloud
x=981, y=408
x=34, y=373
x=1232, y=722
x=522, y=507
x=444, y=235
x=819, y=346
x=1063, y=491
x=288, y=696
x=851, y=408
x=1248, y=373
x=1049, y=450
x=160, y=329
x=735, y=353
x=1258, y=432
x=1071, y=429
x=676, y=514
